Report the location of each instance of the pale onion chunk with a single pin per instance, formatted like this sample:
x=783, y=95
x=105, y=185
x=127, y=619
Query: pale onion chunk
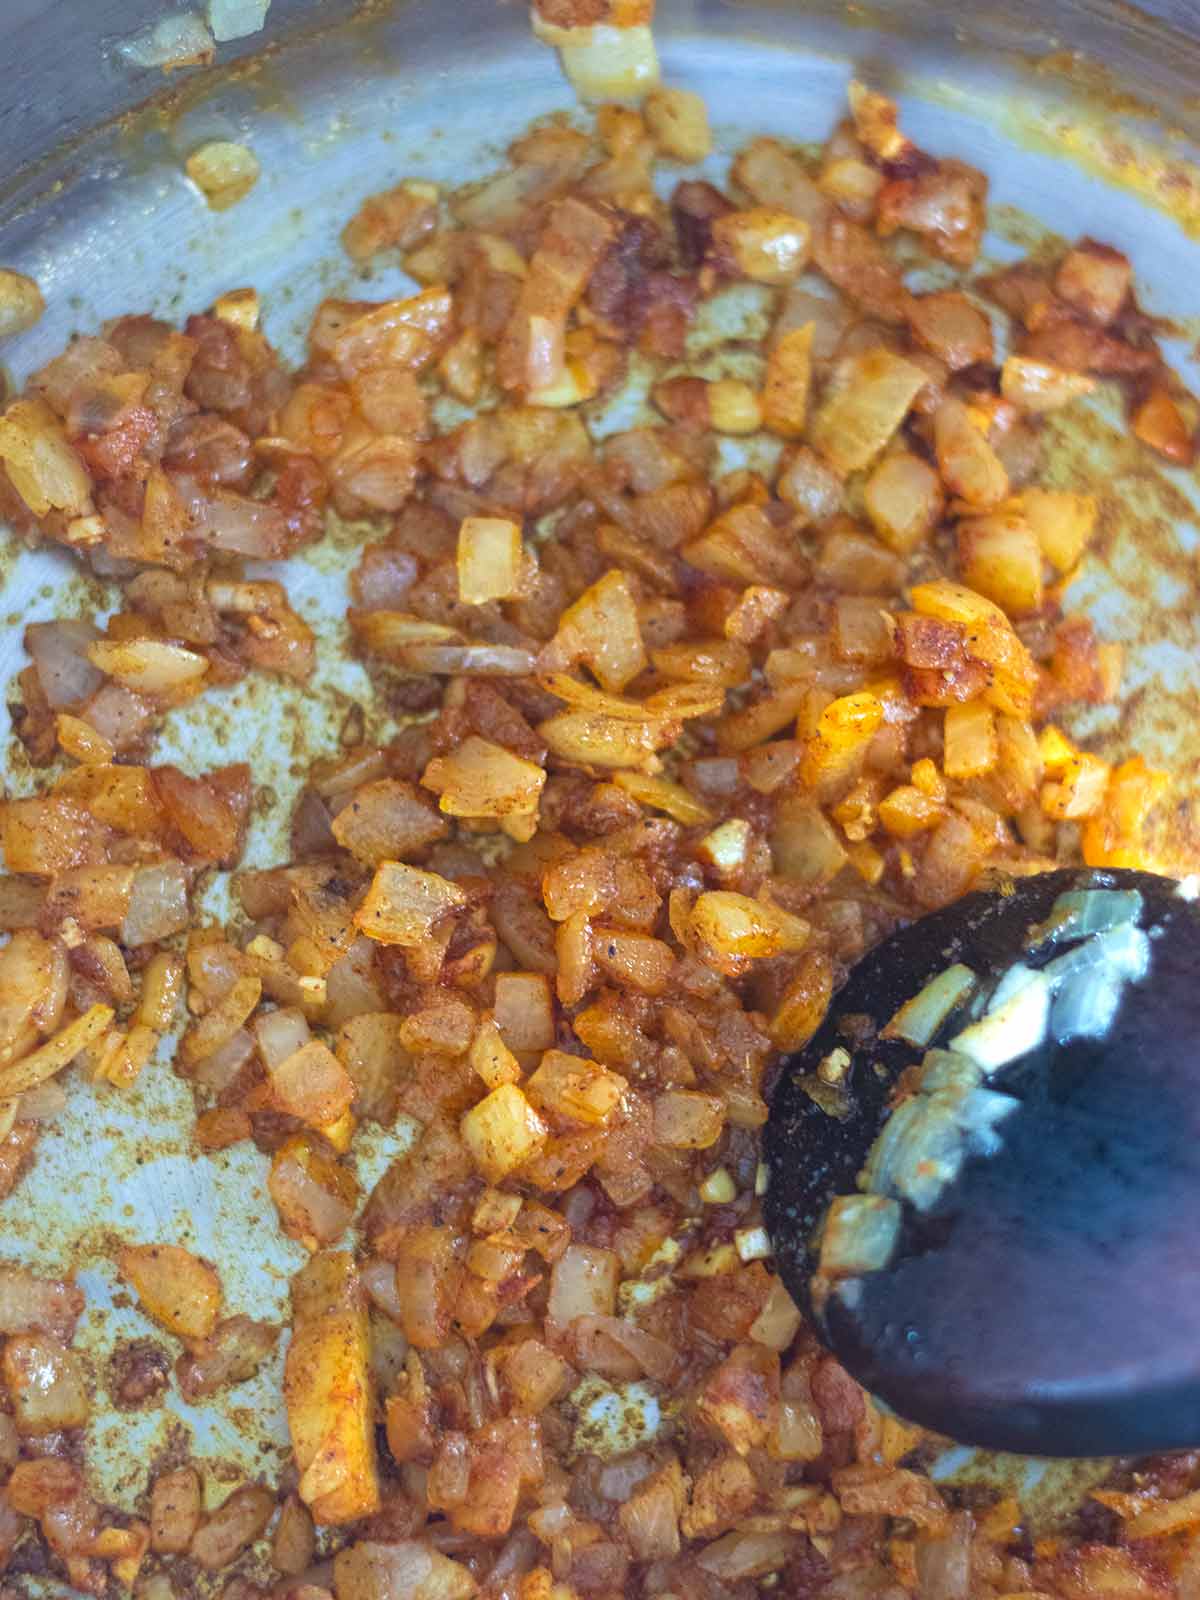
x=604, y=62
x=678, y=121
x=403, y=904
x=409, y=1567
x=1012, y=1029
x=860, y=1235
x=919, y=1019
x=148, y=666
x=502, y=1132
x=918, y=1153
x=489, y=560
x=483, y=779
x=1124, y=951
x=223, y=171
x=718, y=1189
x=753, y=1244
x=42, y=465
x=923, y=1145
x=1015, y=979
x=946, y=1069
x=980, y=1110
x=1087, y=911
x=1086, y=1005
x=865, y=402
x=179, y=40
x=236, y=19
x=21, y=303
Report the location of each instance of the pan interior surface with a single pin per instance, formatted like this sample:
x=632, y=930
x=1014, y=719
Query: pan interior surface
x=340, y=118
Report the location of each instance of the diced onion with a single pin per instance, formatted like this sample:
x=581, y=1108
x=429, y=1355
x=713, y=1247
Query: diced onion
x=45, y=1383
x=778, y=1323
x=1011, y=1030
x=28, y=1303
x=647, y=1354
x=946, y=1069
x=489, y=560
x=503, y=1132
x=280, y=1034
x=368, y=1571
x=740, y=1556
x=753, y=1244
x=173, y=41
x=236, y=19
x=919, y=1019
x=606, y=63
x=765, y=246
x=860, y=1234
x=233, y=1527
x=224, y=172
x=1085, y=1005
x=404, y=903
x=148, y=666
x=865, y=404
x=1089, y=911
x=21, y=303
x=158, y=905
x=924, y=1142
x=175, y=1287
x=234, y=1352
x=678, y=119
x=583, y=1283
x=60, y=654
x=482, y=779
x=43, y=467
x=916, y=1155
x=686, y=1120
x=314, y=1202
x=1123, y=949
x=718, y=1189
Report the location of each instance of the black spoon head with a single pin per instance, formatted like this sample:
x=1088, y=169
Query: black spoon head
x=1047, y=1300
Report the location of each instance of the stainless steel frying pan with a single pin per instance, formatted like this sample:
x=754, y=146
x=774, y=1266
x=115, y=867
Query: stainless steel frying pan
x=1082, y=112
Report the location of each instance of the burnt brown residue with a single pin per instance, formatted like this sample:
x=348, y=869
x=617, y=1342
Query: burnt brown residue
x=695, y=206
x=177, y=1451
x=139, y=1372
x=912, y=164
x=573, y=13
x=1099, y=83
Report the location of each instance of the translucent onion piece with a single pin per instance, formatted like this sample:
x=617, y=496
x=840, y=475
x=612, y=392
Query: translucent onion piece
x=42, y=466
x=59, y=651
x=1010, y=984
x=919, y=1019
x=606, y=63
x=1085, y=1006
x=173, y=41
x=922, y=1147
x=236, y=19
x=21, y=303
x=224, y=172
x=946, y=1069
x=1087, y=911
x=917, y=1154
x=1124, y=950
x=1011, y=1030
x=859, y=1235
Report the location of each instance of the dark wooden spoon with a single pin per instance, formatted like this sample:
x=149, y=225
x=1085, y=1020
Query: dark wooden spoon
x=1047, y=1300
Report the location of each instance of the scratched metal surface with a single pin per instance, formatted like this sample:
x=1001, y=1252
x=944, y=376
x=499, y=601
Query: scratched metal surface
x=373, y=104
